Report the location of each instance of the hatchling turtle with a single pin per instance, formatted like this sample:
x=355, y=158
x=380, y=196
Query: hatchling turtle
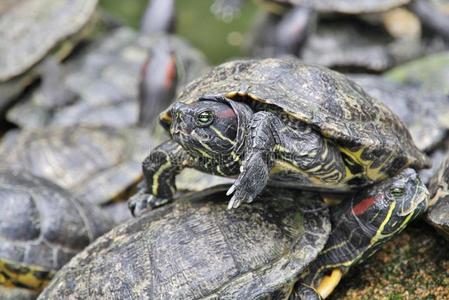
x=31, y=30
x=196, y=248
x=41, y=227
x=296, y=124
x=101, y=84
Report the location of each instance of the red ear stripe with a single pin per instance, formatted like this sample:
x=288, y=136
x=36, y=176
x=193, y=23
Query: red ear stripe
x=363, y=205
x=171, y=74
x=226, y=113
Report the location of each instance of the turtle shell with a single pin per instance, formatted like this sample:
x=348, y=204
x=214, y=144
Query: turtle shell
x=98, y=164
x=333, y=105
x=347, y=6
x=197, y=248
x=425, y=113
x=35, y=27
x=41, y=227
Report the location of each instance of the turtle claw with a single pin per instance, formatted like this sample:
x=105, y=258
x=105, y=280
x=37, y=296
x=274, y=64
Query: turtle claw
x=141, y=202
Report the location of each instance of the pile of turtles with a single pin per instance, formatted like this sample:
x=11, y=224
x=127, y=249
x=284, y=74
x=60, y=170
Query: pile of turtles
x=266, y=177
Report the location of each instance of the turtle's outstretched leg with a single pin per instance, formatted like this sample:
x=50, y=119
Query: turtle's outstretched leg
x=160, y=169
x=274, y=144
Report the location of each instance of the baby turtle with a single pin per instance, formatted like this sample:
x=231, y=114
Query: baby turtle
x=30, y=30
x=41, y=227
x=196, y=248
x=296, y=124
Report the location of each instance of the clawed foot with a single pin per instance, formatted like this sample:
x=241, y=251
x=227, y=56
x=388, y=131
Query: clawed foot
x=240, y=194
x=142, y=202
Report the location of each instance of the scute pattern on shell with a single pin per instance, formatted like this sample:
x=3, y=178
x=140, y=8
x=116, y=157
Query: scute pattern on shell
x=331, y=103
x=197, y=248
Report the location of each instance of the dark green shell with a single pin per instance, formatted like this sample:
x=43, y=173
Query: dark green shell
x=198, y=248
x=333, y=105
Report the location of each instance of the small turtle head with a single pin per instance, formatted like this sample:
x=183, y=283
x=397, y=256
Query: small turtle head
x=388, y=206
x=207, y=127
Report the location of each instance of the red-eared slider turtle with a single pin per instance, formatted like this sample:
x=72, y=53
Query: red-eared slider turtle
x=41, y=227
x=296, y=124
x=101, y=83
x=196, y=248
x=360, y=226
x=98, y=164
x=32, y=29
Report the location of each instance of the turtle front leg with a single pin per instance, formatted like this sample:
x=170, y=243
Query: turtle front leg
x=284, y=144
x=160, y=169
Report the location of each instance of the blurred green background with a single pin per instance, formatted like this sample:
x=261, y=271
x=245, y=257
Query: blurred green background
x=217, y=39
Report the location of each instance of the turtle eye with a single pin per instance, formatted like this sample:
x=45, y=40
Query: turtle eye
x=397, y=192
x=205, y=118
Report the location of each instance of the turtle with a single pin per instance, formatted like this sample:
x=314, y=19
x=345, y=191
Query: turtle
x=100, y=86
x=30, y=31
x=296, y=124
x=41, y=227
x=196, y=248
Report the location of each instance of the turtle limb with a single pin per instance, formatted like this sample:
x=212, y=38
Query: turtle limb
x=160, y=169
x=271, y=141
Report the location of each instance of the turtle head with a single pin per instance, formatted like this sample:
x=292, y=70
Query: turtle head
x=388, y=206
x=208, y=126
